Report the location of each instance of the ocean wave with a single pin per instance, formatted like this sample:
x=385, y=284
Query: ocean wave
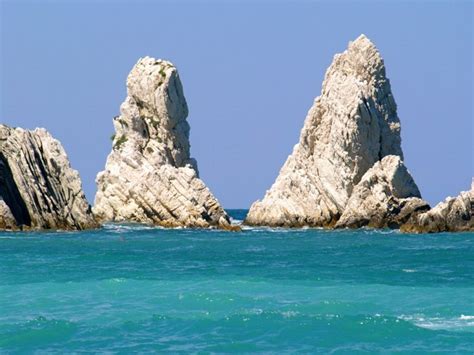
x=179, y=248
x=119, y=227
x=117, y=280
x=265, y=330
x=460, y=323
x=260, y=229
x=343, y=231
x=385, y=231
x=9, y=236
x=35, y=332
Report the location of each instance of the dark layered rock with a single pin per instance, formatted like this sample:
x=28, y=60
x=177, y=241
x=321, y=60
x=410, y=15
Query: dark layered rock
x=38, y=187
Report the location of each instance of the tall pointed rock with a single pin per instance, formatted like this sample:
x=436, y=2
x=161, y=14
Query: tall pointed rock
x=150, y=176
x=352, y=125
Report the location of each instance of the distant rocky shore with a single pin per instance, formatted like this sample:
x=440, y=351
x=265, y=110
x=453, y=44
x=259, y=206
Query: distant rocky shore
x=347, y=171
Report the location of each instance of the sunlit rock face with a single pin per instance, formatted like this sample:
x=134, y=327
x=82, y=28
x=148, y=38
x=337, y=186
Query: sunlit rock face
x=150, y=176
x=351, y=126
x=385, y=197
x=38, y=187
x=455, y=214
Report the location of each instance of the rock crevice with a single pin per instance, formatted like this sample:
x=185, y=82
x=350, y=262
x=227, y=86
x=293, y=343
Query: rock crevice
x=386, y=197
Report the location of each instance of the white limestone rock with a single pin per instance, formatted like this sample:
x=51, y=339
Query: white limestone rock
x=386, y=196
x=351, y=126
x=149, y=175
x=38, y=187
x=455, y=214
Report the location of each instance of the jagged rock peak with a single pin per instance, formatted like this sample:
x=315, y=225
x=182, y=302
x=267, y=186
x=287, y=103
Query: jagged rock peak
x=38, y=187
x=363, y=58
x=149, y=175
x=350, y=127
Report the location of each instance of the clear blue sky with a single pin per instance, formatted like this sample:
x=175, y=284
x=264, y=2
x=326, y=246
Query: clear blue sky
x=250, y=72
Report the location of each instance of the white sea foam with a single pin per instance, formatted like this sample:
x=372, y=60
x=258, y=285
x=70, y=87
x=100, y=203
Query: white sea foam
x=367, y=230
x=119, y=227
x=180, y=248
x=117, y=280
x=462, y=322
x=289, y=314
x=125, y=227
x=264, y=229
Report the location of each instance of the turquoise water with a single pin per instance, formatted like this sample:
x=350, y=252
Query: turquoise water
x=132, y=288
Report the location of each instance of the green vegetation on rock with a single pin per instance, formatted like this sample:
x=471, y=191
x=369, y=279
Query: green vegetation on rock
x=118, y=144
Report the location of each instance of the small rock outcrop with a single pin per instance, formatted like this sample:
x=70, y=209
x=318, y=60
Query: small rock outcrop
x=150, y=176
x=38, y=187
x=385, y=197
x=455, y=214
x=352, y=125
x=7, y=220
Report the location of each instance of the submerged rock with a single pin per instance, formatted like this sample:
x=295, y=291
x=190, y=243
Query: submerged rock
x=38, y=187
x=455, y=214
x=149, y=175
x=386, y=196
x=351, y=126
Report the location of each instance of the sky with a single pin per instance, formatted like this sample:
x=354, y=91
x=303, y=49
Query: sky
x=250, y=72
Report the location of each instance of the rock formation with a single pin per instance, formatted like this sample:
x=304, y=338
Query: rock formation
x=386, y=196
x=455, y=214
x=149, y=175
x=7, y=220
x=352, y=125
x=38, y=187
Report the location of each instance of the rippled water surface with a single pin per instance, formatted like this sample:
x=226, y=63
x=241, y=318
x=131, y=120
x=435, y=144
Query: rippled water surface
x=131, y=288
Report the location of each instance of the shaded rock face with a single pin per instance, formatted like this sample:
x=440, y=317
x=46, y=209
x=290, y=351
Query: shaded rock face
x=38, y=187
x=351, y=126
x=455, y=214
x=386, y=196
x=149, y=175
x=7, y=220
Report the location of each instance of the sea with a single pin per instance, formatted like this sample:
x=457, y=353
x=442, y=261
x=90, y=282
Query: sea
x=129, y=288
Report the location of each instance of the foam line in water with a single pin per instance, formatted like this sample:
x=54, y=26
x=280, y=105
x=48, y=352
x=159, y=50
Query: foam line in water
x=461, y=323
